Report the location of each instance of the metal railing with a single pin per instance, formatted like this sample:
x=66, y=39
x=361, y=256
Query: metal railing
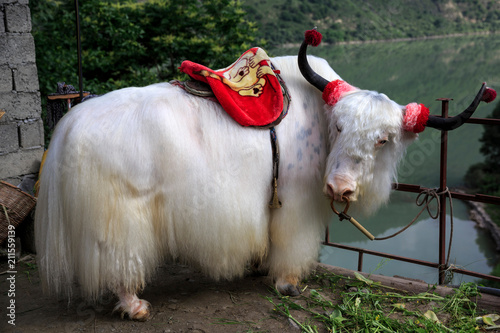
x=441, y=264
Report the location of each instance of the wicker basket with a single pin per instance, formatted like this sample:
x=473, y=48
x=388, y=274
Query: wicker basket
x=15, y=205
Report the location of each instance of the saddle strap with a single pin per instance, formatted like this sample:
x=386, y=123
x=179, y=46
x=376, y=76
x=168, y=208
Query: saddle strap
x=275, y=202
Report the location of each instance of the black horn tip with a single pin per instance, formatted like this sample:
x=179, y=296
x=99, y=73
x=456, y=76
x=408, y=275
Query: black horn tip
x=311, y=36
x=489, y=95
x=448, y=124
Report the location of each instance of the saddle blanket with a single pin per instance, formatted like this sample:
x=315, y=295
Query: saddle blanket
x=248, y=89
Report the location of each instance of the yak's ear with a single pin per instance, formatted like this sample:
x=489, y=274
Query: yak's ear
x=415, y=117
x=407, y=137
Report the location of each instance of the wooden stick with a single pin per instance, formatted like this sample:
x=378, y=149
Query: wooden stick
x=361, y=228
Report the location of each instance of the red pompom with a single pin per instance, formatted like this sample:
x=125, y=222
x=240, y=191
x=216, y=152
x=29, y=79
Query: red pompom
x=335, y=90
x=415, y=117
x=313, y=37
x=489, y=95
x=422, y=119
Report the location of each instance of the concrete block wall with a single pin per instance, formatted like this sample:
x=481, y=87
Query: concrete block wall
x=21, y=128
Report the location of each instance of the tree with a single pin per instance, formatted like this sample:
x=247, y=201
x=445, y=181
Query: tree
x=490, y=140
x=212, y=32
x=135, y=43
x=485, y=176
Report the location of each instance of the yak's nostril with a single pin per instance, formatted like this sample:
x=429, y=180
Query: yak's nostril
x=346, y=193
x=330, y=190
x=339, y=194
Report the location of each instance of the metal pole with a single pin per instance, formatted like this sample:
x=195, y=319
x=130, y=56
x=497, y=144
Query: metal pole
x=411, y=261
x=360, y=261
x=79, y=50
x=442, y=199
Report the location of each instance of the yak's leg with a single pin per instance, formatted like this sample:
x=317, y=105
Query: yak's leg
x=285, y=270
x=293, y=251
x=130, y=305
x=286, y=285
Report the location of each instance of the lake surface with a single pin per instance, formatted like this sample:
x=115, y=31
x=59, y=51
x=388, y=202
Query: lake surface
x=420, y=71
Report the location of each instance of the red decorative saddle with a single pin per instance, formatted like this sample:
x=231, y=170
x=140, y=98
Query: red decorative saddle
x=250, y=90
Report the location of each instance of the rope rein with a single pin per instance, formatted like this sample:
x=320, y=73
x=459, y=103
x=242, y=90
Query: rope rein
x=424, y=199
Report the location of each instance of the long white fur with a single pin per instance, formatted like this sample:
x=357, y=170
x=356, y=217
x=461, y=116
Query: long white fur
x=143, y=175
x=363, y=117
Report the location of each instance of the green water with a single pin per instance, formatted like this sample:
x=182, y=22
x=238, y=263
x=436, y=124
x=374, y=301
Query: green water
x=420, y=71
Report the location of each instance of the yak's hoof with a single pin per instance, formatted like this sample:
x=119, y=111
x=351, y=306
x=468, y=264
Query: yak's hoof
x=143, y=314
x=289, y=290
x=140, y=311
x=288, y=286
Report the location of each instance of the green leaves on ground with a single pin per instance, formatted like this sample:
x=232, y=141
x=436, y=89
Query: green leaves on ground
x=332, y=304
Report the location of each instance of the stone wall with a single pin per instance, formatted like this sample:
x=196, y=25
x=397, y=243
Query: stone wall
x=21, y=127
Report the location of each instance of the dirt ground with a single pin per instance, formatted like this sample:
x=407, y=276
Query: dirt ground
x=183, y=300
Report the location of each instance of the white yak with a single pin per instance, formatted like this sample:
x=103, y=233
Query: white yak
x=141, y=176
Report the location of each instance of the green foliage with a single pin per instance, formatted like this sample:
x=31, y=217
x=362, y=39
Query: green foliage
x=485, y=176
x=494, y=272
x=367, y=306
x=211, y=32
x=284, y=21
x=54, y=34
x=128, y=43
x=490, y=140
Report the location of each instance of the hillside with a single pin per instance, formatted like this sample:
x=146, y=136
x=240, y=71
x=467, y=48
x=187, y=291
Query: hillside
x=284, y=21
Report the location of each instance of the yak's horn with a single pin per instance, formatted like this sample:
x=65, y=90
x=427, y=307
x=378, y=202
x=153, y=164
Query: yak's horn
x=312, y=37
x=448, y=124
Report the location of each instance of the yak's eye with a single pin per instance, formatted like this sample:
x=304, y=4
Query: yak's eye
x=380, y=143
x=338, y=128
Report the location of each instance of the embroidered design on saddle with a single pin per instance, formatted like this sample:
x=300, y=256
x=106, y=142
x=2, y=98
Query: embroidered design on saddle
x=250, y=90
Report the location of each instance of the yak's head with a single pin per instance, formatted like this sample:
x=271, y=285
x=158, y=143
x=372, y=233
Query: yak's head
x=369, y=134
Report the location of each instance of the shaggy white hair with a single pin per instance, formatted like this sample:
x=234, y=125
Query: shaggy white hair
x=356, y=122
x=144, y=175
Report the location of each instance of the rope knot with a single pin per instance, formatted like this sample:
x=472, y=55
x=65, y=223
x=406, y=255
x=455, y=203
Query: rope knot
x=429, y=195
x=424, y=198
